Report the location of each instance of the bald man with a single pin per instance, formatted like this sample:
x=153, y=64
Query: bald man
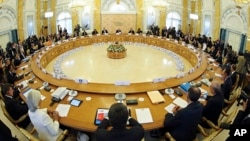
x=214, y=105
x=182, y=124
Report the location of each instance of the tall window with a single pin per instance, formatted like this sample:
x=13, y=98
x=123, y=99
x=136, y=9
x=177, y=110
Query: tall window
x=64, y=20
x=173, y=20
x=151, y=17
x=30, y=25
x=207, y=25
x=86, y=18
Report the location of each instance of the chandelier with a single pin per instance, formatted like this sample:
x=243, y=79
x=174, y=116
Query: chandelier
x=76, y=5
x=162, y=3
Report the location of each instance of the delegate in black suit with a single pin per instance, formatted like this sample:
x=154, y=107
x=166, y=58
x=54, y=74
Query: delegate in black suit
x=226, y=88
x=182, y=126
x=104, y=31
x=135, y=133
x=16, y=109
x=118, y=116
x=214, y=105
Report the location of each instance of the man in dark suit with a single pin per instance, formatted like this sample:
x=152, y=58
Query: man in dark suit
x=14, y=107
x=131, y=31
x=182, y=124
x=214, y=104
x=234, y=74
x=11, y=74
x=226, y=87
x=94, y=32
x=117, y=117
x=118, y=31
x=104, y=31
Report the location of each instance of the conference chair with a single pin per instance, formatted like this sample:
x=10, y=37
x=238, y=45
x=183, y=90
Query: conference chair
x=15, y=122
x=232, y=99
x=171, y=138
x=31, y=137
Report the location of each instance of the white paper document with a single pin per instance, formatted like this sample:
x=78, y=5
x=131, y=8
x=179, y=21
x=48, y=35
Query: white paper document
x=180, y=102
x=143, y=115
x=63, y=109
x=218, y=75
x=170, y=108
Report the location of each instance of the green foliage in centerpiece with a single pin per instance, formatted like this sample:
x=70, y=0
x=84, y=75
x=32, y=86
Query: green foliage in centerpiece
x=116, y=48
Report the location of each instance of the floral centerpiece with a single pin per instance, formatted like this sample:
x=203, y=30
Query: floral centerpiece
x=116, y=51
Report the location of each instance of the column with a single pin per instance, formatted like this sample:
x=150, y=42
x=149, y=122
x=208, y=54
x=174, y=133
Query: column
x=192, y=24
x=199, y=13
x=216, y=32
x=53, y=19
x=162, y=16
x=248, y=33
x=20, y=20
x=39, y=17
x=139, y=14
x=97, y=16
x=185, y=16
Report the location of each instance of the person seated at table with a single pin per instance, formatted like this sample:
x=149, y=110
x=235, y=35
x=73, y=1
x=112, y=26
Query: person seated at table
x=14, y=106
x=84, y=33
x=182, y=124
x=241, y=121
x=11, y=74
x=226, y=86
x=149, y=32
x=104, y=31
x=214, y=105
x=117, y=117
x=95, y=32
x=118, y=31
x=46, y=122
x=139, y=31
x=131, y=31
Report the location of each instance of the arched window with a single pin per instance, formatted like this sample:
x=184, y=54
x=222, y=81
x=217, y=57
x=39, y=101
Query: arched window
x=114, y=7
x=64, y=20
x=173, y=20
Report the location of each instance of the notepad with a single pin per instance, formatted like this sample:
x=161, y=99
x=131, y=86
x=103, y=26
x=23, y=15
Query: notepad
x=63, y=109
x=155, y=97
x=170, y=108
x=180, y=102
x=143, y=115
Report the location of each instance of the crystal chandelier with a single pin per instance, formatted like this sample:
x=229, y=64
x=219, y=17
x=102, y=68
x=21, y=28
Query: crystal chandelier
x=76, y=5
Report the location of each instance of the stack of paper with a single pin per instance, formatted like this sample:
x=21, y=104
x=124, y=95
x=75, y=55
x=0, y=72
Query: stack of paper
x=156, y=97
x=143, y=115
x=63, y=109
x=180, y=102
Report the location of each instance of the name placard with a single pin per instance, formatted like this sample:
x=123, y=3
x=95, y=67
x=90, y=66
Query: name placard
x=81, y=81
x=122, y=83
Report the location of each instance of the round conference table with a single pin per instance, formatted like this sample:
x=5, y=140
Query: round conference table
x=102, y=95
